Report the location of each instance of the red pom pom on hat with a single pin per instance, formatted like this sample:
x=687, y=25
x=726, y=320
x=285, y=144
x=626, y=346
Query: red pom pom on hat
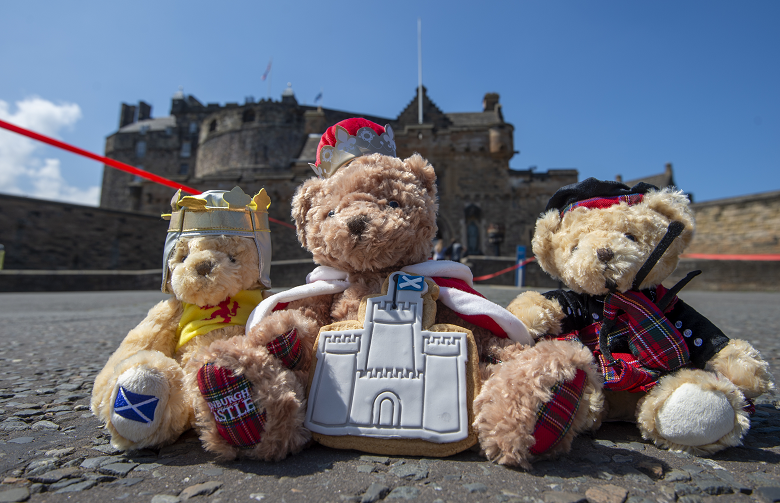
x=351, y=125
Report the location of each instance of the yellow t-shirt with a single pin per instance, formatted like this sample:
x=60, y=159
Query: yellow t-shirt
x=196, y=320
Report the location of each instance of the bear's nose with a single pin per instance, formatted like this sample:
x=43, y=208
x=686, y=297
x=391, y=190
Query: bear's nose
x=605, y=254
x=204, y=268
x=357, y=225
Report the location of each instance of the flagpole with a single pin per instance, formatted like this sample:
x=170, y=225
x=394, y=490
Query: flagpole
x=419, y=72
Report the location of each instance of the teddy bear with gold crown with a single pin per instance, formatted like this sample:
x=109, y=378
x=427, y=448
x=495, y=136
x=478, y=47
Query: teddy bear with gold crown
x=216, y=267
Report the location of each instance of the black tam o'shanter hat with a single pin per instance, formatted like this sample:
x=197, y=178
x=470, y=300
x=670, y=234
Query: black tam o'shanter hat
x=610, y=192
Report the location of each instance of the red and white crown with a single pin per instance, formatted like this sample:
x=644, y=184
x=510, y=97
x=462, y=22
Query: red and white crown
x=349, y=139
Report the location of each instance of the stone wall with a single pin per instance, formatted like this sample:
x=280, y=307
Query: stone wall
x=76, y=241
x=48, y=235
x=739, y=225
x=729, y=275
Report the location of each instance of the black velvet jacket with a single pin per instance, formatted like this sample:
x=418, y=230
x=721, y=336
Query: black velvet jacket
x=702, y=337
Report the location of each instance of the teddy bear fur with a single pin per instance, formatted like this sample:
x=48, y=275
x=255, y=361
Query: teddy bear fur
x=373, y=217
x=205, y=270
x=696, y=410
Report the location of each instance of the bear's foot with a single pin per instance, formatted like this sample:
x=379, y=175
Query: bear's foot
x=229, y=398
x=536, y=401
x=247, y=403
x=141, y=395
x=694, y=411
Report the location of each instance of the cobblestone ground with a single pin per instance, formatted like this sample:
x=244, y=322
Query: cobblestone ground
x=53, y=449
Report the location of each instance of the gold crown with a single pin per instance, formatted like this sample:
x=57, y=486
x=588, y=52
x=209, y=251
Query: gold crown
x=348, y=147
x=214, y=210
x=220, y=212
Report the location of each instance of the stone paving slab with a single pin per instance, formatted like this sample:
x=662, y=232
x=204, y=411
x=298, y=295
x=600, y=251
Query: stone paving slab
x=53, y=345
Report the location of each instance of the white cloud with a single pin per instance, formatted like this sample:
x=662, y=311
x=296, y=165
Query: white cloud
x=22, y=170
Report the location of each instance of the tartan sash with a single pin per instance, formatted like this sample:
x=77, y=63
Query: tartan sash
x=653, y=340
x=654, y=345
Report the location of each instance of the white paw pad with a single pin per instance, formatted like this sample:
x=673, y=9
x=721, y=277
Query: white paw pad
x=695, y=417
x=140, y=397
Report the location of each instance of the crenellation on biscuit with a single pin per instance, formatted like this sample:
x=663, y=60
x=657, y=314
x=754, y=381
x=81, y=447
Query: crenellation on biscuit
x=341, y=343
x=405, y=312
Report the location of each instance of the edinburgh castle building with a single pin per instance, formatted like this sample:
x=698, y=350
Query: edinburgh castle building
x=483, y=204
x=487, y=207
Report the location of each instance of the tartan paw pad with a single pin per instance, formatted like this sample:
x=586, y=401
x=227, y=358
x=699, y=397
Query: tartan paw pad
x=230, y=401
x=554, y=417
x=286, y=348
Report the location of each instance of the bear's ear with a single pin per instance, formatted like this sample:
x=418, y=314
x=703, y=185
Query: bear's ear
x=674, y=205
x=543, y=243
x=424, y=172
x=301, y=204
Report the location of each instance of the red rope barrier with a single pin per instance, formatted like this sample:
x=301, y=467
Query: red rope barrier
x=105, y=160
x=110, y=162
x=502, y=271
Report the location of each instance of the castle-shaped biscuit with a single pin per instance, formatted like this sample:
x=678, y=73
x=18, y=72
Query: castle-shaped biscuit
x=396, y=383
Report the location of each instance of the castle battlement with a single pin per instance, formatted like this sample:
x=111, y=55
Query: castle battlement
x=341, y=338
x=442, y=340
x=341, y=342
x=396, y=373
x=404, y=313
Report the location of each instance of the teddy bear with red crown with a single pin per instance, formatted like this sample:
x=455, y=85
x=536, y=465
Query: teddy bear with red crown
x=369, y=219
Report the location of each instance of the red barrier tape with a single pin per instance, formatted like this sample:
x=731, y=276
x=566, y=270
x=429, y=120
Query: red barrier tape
x=110, y=162
x=502, y=271
x=709, y=256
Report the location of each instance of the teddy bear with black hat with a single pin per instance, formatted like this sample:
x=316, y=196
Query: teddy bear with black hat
x=664, y=365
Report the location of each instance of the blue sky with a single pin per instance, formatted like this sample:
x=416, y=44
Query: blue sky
x=605, y=87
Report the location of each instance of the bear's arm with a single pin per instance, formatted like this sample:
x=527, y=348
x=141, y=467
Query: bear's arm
x=540, y=315
x=703, y=338
x=157, y=332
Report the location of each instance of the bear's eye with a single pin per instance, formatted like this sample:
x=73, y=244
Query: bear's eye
x=574, y=248
x=232, y=258
x=183, y=258
x=393, y=204
x=631, y=237
x=331, y=213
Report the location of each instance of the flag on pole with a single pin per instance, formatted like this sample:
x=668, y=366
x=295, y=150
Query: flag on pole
x=318, y=98
x=267, y=70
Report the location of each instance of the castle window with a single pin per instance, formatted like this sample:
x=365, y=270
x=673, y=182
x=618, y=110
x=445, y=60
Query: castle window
x=140, y=149
x=136, y=178
x=473, y=215
x=213, y=125
x=184, y=168
x=186, y=150
x=249, y=116
x=168, y=131
x=193, y=127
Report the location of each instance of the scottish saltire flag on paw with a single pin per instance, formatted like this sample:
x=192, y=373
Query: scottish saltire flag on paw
x=134, y=406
